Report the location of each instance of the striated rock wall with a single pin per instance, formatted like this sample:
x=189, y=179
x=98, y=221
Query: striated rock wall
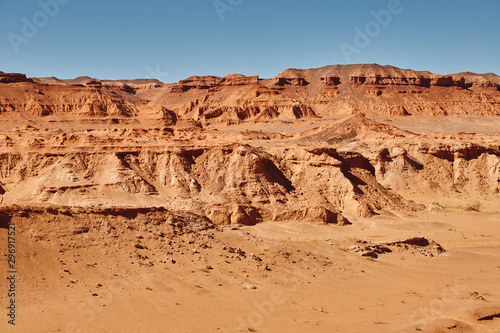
x=340, y=90
x=241, y=184
x=235, y=184
x=294, y=94
x=79, y=102
x=463, y=170
x=352, y=167
x=420, y=81
x=13, y=78
x=208, y=82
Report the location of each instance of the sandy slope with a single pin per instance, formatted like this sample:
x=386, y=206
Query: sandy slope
x=307, y=281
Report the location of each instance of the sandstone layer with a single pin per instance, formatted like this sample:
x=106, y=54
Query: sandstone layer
x=340, y=198
x=293, y=94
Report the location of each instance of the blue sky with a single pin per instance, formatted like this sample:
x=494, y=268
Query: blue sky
x=174, y=39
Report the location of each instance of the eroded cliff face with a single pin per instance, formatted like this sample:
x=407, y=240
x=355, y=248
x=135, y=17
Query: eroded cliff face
x=461, y=169
x=294, y=94
x=77, y=102
x=332, y=91
x=319, y=178
x=234, y=184
x=13, y=78
x=396, y=92
x=89, y=143
x=213, y=82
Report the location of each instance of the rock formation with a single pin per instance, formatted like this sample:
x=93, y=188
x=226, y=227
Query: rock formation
x=89, y=142
x=362, y=198
x=293, y=94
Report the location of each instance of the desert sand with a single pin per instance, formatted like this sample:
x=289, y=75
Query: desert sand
x=357, y=198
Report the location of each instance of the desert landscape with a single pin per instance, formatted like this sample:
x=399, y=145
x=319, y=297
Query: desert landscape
x=346, y=198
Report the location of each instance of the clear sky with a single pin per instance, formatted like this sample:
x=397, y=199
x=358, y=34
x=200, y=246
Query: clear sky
x=174, y=39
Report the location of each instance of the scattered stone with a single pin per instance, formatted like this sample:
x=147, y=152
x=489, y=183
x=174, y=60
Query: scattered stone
x=419, y=245
x=248, y=286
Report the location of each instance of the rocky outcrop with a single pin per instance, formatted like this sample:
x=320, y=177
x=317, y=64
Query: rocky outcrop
x=415, y=245
x=210, y=82
x=355, y=127
x=371, y=89
x=298, y=81
x=452, y=170
x=314, y=214
x=113, y=222
x=13, y=78
x=94, y=100
x=378, y=79
x=233, y=185
x=355, y=167
x=331, y=80
x=207, y=111
x=294, y=94
x=420, y=81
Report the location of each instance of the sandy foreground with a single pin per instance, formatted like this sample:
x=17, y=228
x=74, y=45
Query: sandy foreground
x=273, y=277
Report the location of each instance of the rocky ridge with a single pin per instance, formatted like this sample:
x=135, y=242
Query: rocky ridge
x=356, y=167
x=330, y=91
